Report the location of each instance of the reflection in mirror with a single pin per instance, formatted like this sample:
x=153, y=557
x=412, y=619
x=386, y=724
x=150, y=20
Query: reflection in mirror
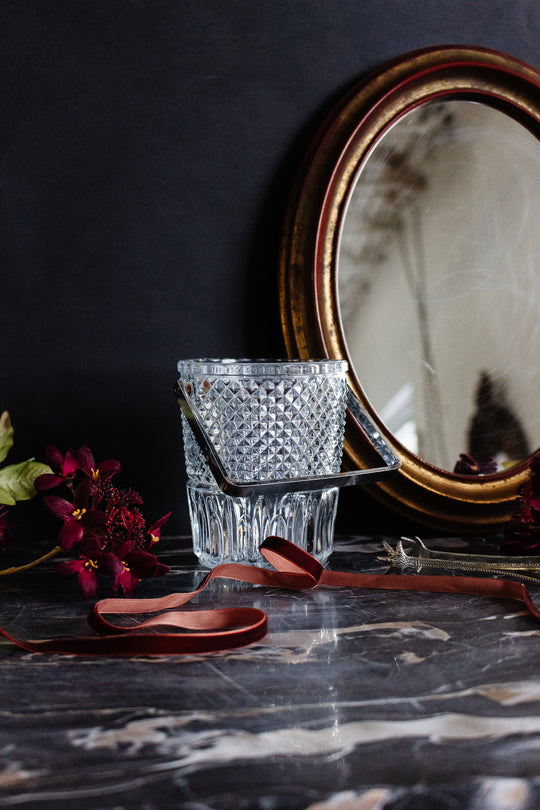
x=439, y=291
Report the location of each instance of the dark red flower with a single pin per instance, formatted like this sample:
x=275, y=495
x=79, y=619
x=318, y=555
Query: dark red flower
x=77, y=516
x=155, y=530
x=137, y=565
x=103, y=471
x=63, y=469
x=522, y=535
x=467, y=465
x=87, y=569
x=87, y=577
x=125, y=525
x=125, y=581
x=103, y=522
x=66, y=466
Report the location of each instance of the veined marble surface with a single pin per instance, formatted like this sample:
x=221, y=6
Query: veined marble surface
x=356, y=700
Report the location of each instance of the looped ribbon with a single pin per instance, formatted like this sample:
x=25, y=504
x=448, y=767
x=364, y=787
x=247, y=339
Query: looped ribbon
x=219, y=629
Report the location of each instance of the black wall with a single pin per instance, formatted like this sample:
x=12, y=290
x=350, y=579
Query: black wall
x=147, y=148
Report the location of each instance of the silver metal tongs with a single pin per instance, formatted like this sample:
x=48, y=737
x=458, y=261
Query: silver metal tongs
x=391, y=460
x=411, y=553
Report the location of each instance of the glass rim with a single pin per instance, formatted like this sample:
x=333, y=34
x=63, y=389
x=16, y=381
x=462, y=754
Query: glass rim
x=235, y=367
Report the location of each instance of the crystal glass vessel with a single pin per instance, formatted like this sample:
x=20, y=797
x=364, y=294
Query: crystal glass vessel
x=266, y=420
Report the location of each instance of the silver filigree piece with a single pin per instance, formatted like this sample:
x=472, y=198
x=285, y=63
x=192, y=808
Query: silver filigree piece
x=417, y=556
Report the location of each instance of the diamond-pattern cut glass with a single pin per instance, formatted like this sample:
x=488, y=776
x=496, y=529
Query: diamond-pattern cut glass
x=284, y=424
x=266, y=420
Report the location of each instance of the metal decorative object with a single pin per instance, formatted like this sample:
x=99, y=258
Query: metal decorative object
x=412, y=553
x=386, y=454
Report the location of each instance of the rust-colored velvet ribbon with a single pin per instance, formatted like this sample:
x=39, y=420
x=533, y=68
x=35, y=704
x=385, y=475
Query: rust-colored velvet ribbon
x=201, y=631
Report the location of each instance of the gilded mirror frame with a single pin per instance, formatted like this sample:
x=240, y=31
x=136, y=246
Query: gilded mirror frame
x=310, y=314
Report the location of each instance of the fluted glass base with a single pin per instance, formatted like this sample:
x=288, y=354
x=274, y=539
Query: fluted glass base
x=227, y=529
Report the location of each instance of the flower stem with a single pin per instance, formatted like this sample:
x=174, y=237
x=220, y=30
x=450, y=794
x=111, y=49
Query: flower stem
x=16, y=569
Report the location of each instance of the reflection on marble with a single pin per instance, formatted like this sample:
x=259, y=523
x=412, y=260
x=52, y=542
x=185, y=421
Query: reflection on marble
x=355, y=700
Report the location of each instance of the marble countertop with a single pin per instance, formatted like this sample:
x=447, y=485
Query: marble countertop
x=355, y=700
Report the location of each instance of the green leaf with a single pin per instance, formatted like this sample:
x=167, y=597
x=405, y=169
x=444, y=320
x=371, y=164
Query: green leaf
x=6, y=497
x=17, y=480
x=6, y=435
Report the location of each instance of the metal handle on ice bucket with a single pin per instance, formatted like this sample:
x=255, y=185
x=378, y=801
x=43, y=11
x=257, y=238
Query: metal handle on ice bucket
x=305, y=483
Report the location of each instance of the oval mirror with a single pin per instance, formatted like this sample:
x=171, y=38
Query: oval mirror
x=411, y=250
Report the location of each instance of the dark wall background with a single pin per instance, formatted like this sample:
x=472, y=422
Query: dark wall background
x=147, y=149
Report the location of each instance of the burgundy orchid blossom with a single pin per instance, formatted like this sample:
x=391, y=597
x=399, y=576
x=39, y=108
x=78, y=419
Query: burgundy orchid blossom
x=101, y=522
x=63, y=468
x=137, y=564
x=522, y=536
x=78, y=516
x=155, y=530
x=96, y=472
x=88, y=566
x=467, y=465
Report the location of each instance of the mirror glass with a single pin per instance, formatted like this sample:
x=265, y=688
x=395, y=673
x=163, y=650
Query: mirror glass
x=438, y=285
